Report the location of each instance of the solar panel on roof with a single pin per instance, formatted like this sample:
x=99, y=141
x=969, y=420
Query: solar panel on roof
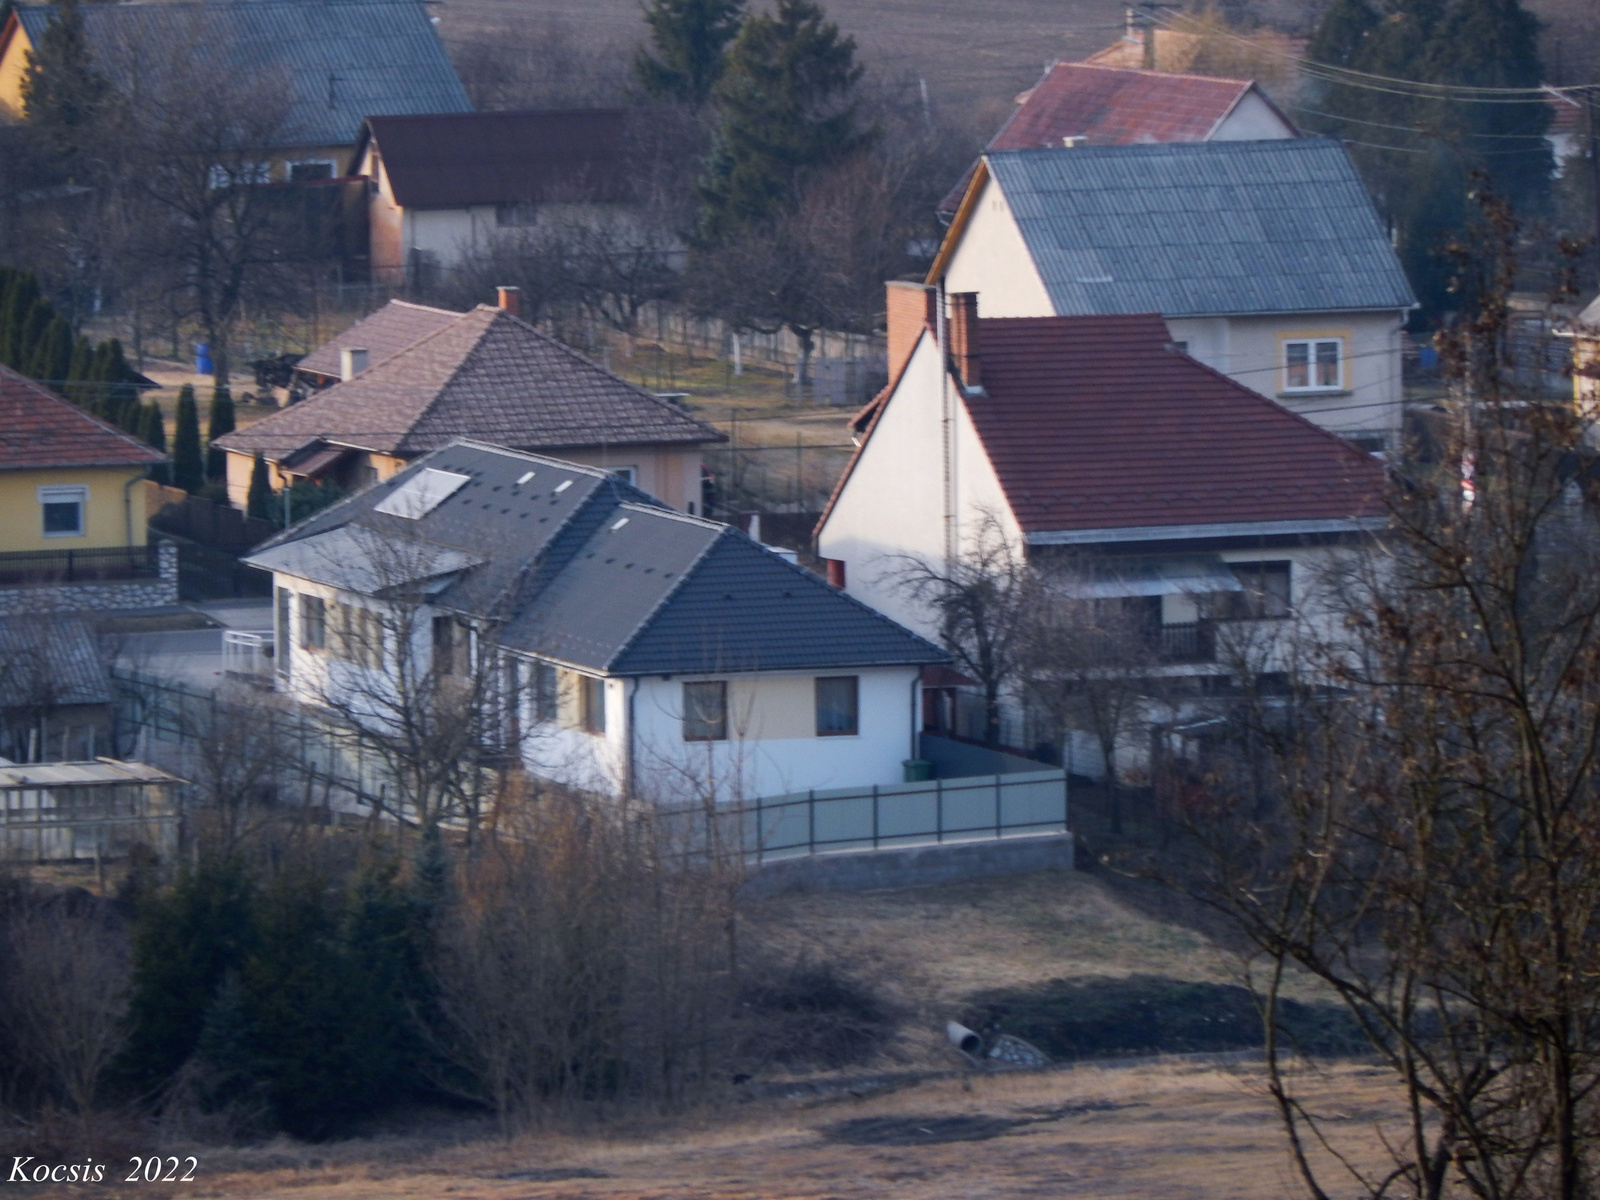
x=422, y=493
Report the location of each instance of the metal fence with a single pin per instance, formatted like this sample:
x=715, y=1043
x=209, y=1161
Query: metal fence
x=934, y=812
x=81, y=566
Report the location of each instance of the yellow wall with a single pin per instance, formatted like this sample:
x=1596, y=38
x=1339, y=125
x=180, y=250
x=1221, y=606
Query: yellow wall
x=106, y=521
x=13, y=66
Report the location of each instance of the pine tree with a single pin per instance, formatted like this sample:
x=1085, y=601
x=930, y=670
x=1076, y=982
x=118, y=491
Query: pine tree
x=63, y=95
x=122, y=390
x=18, y=304
x=788, y=108
x=258, y=503
x=25, y=343
x=52, y=355
x=222, y=421
x=689, y=48
x=188, y=463
x=156, y=434
x=78, y=390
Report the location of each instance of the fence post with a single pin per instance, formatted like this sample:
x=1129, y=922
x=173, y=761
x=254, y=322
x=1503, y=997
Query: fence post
x=761, y=836
x=811, y=820
x=874, y=816
x=997, y=817
x=938, y=810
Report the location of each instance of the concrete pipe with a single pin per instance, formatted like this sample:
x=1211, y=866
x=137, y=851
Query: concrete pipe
x=963, y=1039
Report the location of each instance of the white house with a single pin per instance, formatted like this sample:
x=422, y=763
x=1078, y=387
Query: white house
x=629, y=648
x=1266, y=258
x=1092, y=443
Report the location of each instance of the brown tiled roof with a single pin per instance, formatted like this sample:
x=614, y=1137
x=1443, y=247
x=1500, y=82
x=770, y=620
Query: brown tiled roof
x=1092, y=423
x=1113, y=106
x=382, y=334
x=40, y=429
x=488, y=376
x=455, y=159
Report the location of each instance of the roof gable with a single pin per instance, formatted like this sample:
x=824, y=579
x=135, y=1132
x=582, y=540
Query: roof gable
x=485, y=375
x=459, y=159
x=38, y=429
x=1201, y=228
x=382, y=335
x=1093, y=423
x=345, y=60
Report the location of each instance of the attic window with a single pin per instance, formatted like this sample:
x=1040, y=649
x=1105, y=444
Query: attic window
x=422, y=493
x=619, y=524
x=527, y=476
x=563, y=486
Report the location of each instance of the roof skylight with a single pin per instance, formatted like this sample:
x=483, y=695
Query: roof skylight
x=422, y=493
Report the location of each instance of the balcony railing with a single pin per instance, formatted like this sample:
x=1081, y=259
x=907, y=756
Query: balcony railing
x=80, y=566
x=1195, y=642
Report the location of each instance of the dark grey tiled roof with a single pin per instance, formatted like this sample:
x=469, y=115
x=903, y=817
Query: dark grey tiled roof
x=345, y=60
x=50, y=661
x=600, y=577
x=487, y=376
x=1201, y=229
x=383, y=334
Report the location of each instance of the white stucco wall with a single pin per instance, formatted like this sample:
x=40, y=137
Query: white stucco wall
x=993, y=260
x=893, y=503
x=1252, y=120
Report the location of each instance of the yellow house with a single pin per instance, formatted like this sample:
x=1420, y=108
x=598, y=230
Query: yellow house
x=342, y=62
x=73, y=508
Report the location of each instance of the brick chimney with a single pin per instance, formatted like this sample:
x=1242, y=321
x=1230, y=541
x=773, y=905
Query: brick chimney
x=510, y=300
x=911, y=309
x=352, y=361
x=964, y=352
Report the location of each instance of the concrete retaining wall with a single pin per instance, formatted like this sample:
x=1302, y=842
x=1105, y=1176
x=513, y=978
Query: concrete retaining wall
x=914, y=866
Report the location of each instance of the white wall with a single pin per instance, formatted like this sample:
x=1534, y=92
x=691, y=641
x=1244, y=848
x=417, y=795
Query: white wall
x=993, y=260
x=1252, y=120
x=893, y=503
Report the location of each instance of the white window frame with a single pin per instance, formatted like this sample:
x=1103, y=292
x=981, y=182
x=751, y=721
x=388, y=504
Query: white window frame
x=288, y=169
x=1311, y=344
x=62, y=494
x=628, y=475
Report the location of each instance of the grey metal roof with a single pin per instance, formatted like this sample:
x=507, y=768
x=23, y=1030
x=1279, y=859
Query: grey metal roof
x=345, y=60
x=48, y=661
x=1201, y=229
x=598, y=576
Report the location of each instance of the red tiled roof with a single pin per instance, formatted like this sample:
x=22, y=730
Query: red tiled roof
x=449, y=160
x=485, y=375
x=1092, y=423
x=381, y=334
x=1113, y=106
x=40, y=429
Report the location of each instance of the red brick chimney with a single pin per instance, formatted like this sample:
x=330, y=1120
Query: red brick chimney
x=964, y=353
x=911, y=309
x=510, y=300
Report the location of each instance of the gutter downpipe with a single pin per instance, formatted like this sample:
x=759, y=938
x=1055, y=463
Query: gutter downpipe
x=916, y=678
x=127, y=505
x=629, y=768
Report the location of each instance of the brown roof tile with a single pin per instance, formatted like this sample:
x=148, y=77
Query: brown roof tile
x=488, y=376
x=1092, y=423
x=382, y=335
x=40, y=429
x=455, y=159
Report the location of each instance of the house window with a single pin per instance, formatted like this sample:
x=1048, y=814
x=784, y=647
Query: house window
x=313, y=623
x=592, y=704
x=838, y=711
x=546, y=696
x=628, y=475
x=62, y=510
x=313, y=169
x=361, y=635
x=1313, y=365
x=281, y=636
x=1266, y=591
x=705, y=711
x=516, y=216
x=452, y=647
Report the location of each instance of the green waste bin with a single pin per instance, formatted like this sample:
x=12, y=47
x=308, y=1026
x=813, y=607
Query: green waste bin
x=917, y=769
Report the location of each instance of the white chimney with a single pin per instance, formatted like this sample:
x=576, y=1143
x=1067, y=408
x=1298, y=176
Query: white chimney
x=352, y=361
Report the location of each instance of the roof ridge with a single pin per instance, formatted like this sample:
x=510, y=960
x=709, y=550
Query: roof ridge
x=61, y=402
x=1094, y=66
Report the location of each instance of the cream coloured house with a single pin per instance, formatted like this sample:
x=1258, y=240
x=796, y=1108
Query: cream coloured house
x=1266, y=258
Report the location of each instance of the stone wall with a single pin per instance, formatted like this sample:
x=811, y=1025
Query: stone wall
x=96, y=597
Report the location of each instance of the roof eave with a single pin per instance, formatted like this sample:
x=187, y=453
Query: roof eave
x=1221, y=529
x=958, y=223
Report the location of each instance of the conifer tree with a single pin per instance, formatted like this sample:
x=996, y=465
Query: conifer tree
x=787, y=99
x=63, y=96
x=258, y=503
x=18, y=304
x=78, y=390
x=156, y=434
x=222, y=421
x=188, y=462
x=52, y=355
x=122, y=391
x=688, y=48
x=26, y=338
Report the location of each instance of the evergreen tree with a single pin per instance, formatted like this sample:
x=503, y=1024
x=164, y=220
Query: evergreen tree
x=788, y=108
x=28, y=336
x=156, y=434
x=63, y=95
x=78, y=389
x=122, y=390
x=188, y=463
x=222, y=421
x=688, y=48
x=184, y=944
x=52, y=355
x=259, y=501
x=18, y=304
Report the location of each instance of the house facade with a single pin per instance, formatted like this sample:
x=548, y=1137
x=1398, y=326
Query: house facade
x=1091, y=445
x=342, y=63
x=484, y=374
x=629, y=649
x=73, y=498
x=446, y=186
x=1266, y=258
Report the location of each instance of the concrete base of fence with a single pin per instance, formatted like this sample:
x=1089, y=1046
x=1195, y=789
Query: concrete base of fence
x=911, y=866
